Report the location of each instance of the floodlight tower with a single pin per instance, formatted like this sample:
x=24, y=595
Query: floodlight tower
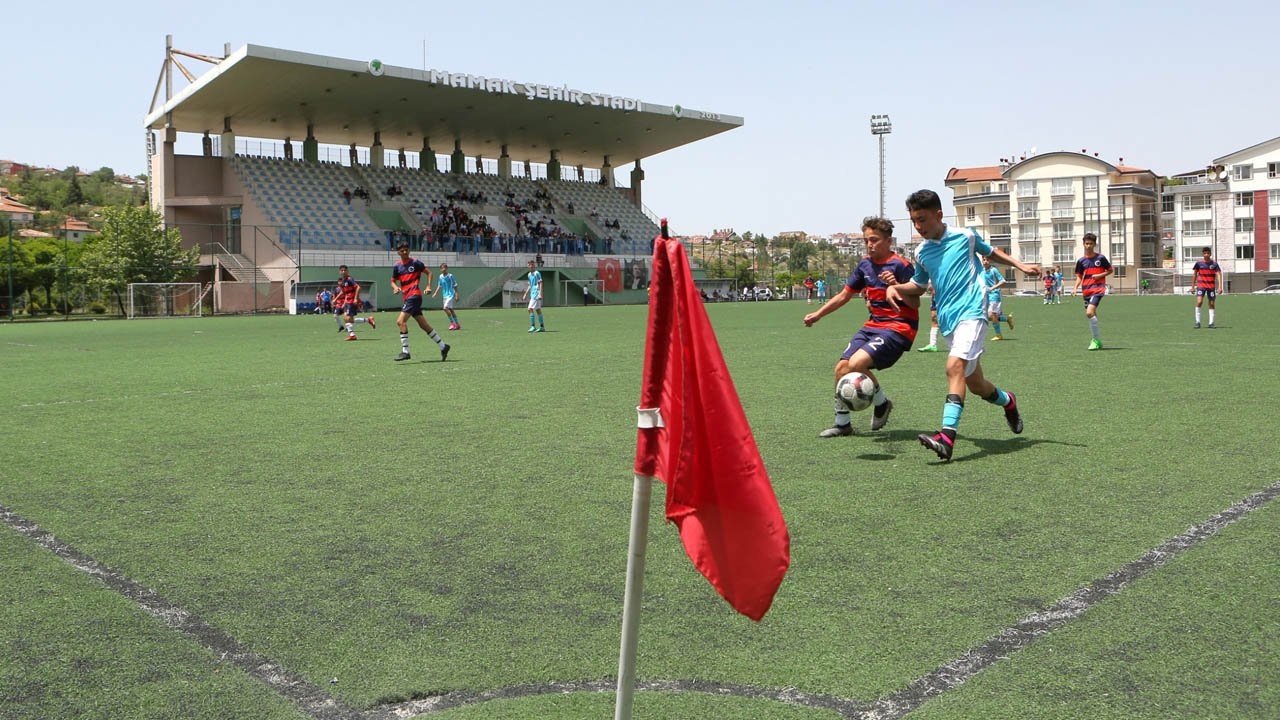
x=880, y=126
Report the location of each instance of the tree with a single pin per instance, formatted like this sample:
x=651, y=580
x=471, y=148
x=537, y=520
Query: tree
x=15, y=262
x=798, y=262
x=135, y=247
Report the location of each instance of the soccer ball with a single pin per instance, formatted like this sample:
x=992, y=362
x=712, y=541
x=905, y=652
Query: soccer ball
x=856, y=391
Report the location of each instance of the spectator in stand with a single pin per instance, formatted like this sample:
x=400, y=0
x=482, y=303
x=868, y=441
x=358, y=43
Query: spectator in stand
x=538, y=259
x=346, y=195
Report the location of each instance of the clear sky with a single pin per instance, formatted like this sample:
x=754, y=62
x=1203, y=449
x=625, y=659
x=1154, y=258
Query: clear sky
x=1166, y=85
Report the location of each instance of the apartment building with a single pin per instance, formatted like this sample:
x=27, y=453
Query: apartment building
x=1038, y=209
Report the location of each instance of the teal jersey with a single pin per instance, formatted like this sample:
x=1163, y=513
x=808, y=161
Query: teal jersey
x=993, y=277
x=535, y=285
x=448, y=285
x=951, y=263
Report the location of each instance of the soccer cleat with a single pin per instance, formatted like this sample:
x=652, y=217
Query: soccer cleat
x=444, y=353
x=997, y=337
x=1212, y=326
x=836, y=431
x=1197, y=326
x=374, y=325
x=939, y=443
x=402, y=356
x=1009, y=317
x=341, y=328
x=880, y=419
x=1012, y=416
x=1095, y=344
x=351, y=337
x=533, y=329
x=928, y=348
x=542, y=329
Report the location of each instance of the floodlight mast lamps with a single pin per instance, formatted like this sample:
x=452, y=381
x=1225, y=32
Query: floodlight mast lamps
x=880, y=126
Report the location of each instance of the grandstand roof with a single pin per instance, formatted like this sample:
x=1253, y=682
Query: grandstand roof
x=273, y=93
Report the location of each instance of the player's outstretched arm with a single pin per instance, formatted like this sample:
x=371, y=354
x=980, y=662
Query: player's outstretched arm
x=832, y=305
x=999, y=256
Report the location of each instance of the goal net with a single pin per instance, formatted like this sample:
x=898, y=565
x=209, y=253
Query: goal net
x=165, y=300
x=305, y=301
x=1164, y=281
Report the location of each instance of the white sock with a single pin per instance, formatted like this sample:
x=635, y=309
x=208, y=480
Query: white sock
x=1093, y=327
x=436, y=336
x=879, y=398
x=404, y=342
x=842, y=414
x=361, y=320
x=1197, y=316
x=933, y=334
x=1211, y=313
x=350, y=329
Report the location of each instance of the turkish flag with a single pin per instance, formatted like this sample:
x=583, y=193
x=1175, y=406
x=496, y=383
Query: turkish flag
x=610, y=271
x=718, y=493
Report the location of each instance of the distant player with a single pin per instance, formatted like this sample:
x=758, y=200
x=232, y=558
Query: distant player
x=808, y=288
x=405, y=276
x=886, y=335
x=994, y=280
x=1092, y=272
x=933, y=325
x=349, y=303
x=1057, y=284
x=534, y=293
x=1049, y=286
x=1208, y=284
x=821, y=286
x=449, y=285
x=946, y=258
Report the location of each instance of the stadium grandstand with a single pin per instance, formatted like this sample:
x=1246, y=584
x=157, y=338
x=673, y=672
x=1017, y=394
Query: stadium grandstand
x=307, y=162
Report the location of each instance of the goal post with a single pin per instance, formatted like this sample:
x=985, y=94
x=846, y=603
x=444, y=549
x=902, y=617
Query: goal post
x=1167, y=281
x=304, y=295
x=157, y=300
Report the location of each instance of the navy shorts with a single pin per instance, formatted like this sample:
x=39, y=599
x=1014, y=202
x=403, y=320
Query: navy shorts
x=351, y=309
x=1094, y=300
x=1206, y=292
x=884, y=346
x=412, y=306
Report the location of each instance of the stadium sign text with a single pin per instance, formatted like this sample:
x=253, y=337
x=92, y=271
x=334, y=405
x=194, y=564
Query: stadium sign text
x=532, y=91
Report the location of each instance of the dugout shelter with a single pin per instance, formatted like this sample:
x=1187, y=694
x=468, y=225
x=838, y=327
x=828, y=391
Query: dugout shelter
x=284, y=136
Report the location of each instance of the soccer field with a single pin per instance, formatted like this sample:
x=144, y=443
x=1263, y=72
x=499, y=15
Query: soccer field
x=249, y=518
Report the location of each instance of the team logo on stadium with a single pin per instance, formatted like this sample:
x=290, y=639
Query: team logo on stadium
x=677, y=110
x=376, y=67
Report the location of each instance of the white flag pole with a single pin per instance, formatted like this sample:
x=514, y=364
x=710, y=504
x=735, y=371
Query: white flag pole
x=634, y=589
x=631, y=596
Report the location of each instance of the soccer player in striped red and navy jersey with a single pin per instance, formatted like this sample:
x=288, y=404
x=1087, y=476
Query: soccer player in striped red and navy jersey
x=349, y=303
x=1092, y=272
x=405, y=278
x=886, y=335
x=1208, y=283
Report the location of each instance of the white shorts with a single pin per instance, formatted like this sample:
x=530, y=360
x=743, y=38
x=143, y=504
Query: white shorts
x=448, y=302
x=535, y=304
x=966, y=343
x=995, y=307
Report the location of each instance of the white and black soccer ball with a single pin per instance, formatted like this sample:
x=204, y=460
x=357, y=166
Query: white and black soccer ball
x=856, y=391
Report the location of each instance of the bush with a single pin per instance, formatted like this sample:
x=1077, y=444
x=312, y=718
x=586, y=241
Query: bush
x=33, y=307
x=97, y=308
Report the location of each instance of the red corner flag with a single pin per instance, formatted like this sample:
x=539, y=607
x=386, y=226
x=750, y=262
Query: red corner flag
x=718, y=493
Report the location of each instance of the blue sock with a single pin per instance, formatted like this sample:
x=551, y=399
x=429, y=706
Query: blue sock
x=999, y=397
x=996, y=327
x=530, y=319
x=951, y=412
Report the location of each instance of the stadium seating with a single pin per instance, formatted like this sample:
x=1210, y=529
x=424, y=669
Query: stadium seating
x=307, y=195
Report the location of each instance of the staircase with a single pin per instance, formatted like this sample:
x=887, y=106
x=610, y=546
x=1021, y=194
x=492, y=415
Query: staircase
x=478, y=296
x=241, y=268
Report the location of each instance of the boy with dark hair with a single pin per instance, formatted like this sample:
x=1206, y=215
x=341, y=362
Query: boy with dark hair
x=1208, y=284
x=405, y=276
x=1092, y=271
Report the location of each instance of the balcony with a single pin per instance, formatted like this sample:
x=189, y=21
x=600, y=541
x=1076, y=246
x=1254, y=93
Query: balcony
x=998, y=217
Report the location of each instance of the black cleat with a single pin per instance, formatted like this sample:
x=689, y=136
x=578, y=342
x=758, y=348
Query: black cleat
x=1012, y=416
x=881, y=418
x=402, y=356
x=938, y=443
x=1212, y=326
x=444, y=353
x=837, y=431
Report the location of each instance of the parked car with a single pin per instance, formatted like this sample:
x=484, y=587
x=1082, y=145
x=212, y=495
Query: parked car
x=1027, y=293
x=1268, y=290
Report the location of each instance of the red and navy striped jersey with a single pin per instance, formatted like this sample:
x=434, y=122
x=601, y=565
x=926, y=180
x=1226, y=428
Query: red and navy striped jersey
x=1090, y=269
x=865, y=278
x=406, y=276
x=1206, y=274
x=1048, y=281
x=348, y=291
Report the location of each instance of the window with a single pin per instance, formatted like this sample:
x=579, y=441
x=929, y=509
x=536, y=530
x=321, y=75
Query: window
x=1117, y=230
x=1030, y=252
x=1195, y=228
x=1026, y=188
x=970, y=214
x=1117, y=252
x=1062, y=186
x=1275, y=223
x=1195, y=202
x=1244, y=252
x=1064, y=231
x=1091, y=184
x=1117, y=204
x=1190, y=253
x=1062, y=209
x=1166, y=203
x=1028, y=231
x=1273, y=198
x=1064, y=252
x=1273, y=171
x=1242, y=172
x=1275, y=250
x=1119, y=270
x=1244, y=225
x=1244, y=199
x=996, y=231
x=1029, y=211
x=1002, y=187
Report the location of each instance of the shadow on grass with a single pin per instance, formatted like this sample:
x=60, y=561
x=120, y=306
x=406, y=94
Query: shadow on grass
x=897, y=442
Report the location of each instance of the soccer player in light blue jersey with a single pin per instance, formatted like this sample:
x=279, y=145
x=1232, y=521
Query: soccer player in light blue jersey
x=948, y=259
x=534, y=293
x=994, y=280
x=449, y=285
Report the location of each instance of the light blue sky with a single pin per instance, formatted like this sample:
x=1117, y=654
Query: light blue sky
x=1167, y=86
